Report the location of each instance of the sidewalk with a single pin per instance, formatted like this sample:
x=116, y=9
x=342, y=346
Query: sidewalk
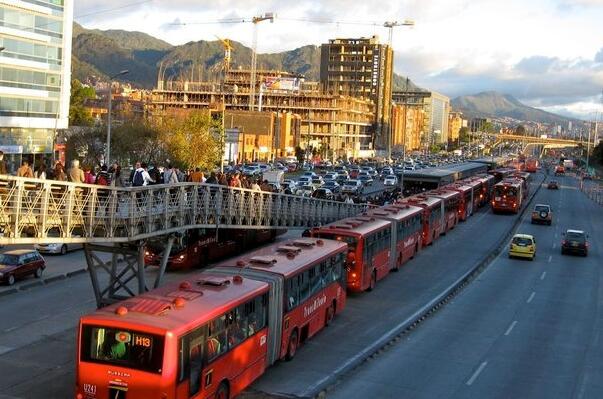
x=57, y=268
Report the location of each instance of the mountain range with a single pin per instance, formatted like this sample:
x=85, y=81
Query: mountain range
x=105, y=53
x=490, y=104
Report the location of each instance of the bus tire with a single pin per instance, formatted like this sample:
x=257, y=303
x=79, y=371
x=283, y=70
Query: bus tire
x=223, y=391
x=330, y=315
x=292, y=345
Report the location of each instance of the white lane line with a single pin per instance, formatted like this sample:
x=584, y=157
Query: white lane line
x=554, y=245
x=550, y=258
x=11, y=329
x=543, y=275
x=511, y=328
x=531, y=297
x=477, y=373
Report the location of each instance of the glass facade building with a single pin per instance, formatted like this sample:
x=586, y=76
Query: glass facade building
x=35, y=76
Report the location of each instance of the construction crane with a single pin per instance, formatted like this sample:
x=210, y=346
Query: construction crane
x=226, y=43
x=269, y=16
x=392, y=24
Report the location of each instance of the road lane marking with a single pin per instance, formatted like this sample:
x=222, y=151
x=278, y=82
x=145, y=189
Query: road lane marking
x=554, y=245
x=11, y=329
x=550, y=258
x=477, y=373
x=531, y=297
x=543, y=275
x=511, y=328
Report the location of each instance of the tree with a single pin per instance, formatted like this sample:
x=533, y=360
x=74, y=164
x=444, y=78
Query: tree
x=86, y=144
x=464, y=135
x=520, y=130
x=78, y=114
x=190, y=139
x=300, y=154
x=137, y=140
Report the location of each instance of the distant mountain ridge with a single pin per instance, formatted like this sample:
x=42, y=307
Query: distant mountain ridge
x=104, y=53
x=494, y=104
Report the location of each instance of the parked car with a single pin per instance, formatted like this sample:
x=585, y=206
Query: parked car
x=251, y=170
x=559, y=170
x=57, y=248
x=305, y=190
x=317, y=181
x=333, y=186
x=574, y=242
x=322, y=193
x=20, y=263
x=309, y=174
x=366, y=180
x=304, y=180
x=390, y=180
x=352, y=187
x=542, y=213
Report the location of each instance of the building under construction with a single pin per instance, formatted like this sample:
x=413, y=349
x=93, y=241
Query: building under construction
x=335, y=126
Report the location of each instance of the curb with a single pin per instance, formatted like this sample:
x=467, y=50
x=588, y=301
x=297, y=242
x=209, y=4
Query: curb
x=8, y=292
x=76, y=272
x=320, y=388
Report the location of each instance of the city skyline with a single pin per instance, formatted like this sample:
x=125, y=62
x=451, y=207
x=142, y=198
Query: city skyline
x=546, y=53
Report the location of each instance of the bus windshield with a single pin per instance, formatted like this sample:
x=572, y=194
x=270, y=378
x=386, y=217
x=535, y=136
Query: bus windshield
x=122, y=348
x=505, y=190
x=157, y=245
x=351, y=241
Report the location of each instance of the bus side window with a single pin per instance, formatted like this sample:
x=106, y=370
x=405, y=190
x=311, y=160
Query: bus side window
x=237, y=329
x=292, y=292
x=304, y=285
x=326, y=268
x=216, y=343
x=338, y=268
x=314, y=279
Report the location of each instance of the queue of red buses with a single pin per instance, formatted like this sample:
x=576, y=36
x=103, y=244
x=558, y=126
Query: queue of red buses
x=214, y=333
x=532, y=165
x=507, y=196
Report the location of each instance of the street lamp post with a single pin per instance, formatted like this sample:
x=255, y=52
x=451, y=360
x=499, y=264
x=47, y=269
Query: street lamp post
x=108, y=151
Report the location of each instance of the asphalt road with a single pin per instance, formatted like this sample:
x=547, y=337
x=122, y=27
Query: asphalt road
x=522, y=330
x=37, y=334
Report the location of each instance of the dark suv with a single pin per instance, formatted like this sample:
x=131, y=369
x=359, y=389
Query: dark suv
x=574, y=242
x=20, y=263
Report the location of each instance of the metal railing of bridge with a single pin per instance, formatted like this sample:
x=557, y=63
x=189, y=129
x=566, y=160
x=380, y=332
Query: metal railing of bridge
x=33, y=210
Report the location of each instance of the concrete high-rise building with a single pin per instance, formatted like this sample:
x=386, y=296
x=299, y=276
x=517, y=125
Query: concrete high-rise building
x=363, y=68
x=438, y=108
x=35, y=74
x=455, y=123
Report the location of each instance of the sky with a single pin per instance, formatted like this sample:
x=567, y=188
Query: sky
x=546, y=53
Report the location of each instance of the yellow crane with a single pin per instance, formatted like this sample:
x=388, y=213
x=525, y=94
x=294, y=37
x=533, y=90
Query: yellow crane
x=227, y=53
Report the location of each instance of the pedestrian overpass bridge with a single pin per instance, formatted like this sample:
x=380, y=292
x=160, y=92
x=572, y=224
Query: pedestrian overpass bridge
x=117, y=221
x=34, y=211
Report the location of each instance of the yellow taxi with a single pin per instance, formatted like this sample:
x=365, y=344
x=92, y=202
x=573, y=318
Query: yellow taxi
x=523, y=246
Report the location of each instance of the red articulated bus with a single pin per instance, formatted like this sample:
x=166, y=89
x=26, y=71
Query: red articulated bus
x=433, y=216
x=487, y=184
x=212, y=335
x=369, y=249
x=467, y=198
x=196, y=248
x=451, y=202
x=507, y=196
x=525, y=180
x=501, y=173
x=406, y=228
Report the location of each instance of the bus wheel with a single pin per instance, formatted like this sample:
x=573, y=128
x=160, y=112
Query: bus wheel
x=292, y=347
x=330, y=314
x=223, y=391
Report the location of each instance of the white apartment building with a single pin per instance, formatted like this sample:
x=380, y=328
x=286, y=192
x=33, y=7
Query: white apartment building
x=35, y=76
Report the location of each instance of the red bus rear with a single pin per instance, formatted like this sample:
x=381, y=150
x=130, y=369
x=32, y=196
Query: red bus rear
x=507, y=196
x=451, y=200
x=369, y=249
x=406, y=229
x=433, y=216
x=487, y=184
x=525, y=179
x=213, y=334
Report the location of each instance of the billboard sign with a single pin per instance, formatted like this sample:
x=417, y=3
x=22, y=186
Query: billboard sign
x=280, y=83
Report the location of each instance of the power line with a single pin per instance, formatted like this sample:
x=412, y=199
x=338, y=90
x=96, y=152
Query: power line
x=107, y=10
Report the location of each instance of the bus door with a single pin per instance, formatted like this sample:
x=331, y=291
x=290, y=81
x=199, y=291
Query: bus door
x=275, y=305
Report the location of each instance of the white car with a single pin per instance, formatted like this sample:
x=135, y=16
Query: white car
x=304, y=180
x=251, y=170
x=352, y=186
x=390, y=180
x=305, y=190
x=56, y=248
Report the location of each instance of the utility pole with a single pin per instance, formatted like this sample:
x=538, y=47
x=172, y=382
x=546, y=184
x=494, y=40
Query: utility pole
x=269, y=16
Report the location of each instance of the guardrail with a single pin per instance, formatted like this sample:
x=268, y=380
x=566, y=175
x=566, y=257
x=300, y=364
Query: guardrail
x=33, y=210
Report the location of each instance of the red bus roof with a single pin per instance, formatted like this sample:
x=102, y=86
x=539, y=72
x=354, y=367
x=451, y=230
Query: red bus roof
x=443, y=193
x=290, y=257
x=356, y=226
x=177, y=306
x=421, y=200
x=397, y=212
x=509, y=182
